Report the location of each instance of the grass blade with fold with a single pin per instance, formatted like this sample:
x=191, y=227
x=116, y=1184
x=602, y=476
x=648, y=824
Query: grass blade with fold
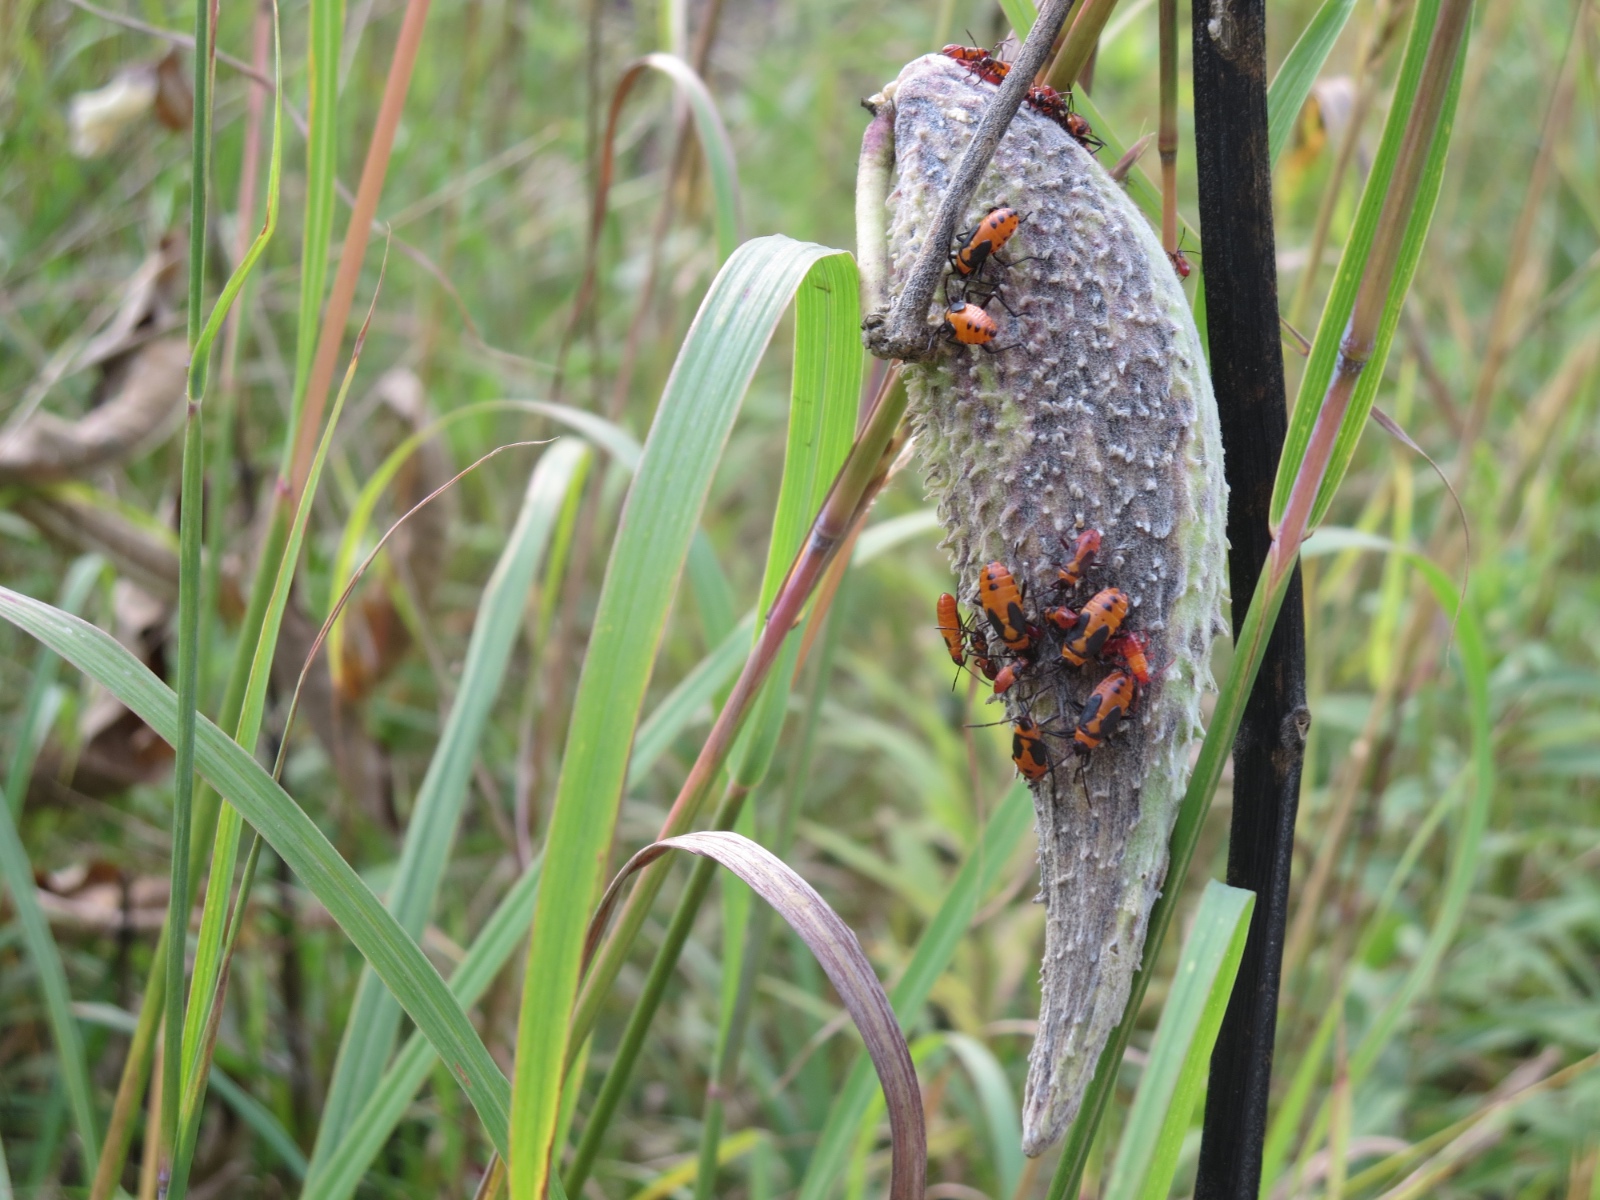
x=842, y=959
x=691, y=427
x=1175, y=1074
x=430, y=833
x=286, y=827
x=822, y=417
x=935, y=948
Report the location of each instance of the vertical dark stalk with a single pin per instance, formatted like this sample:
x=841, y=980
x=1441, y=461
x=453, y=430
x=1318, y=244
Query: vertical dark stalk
x=1235, y=185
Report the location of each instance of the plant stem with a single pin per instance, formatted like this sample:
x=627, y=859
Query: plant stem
x=190, y=536
x=1167, y=143
x=1078, y=48
x=373, y=173
x=852, y=491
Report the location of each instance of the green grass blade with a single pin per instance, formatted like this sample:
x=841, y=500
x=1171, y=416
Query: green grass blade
x=297, y=840
x=1021, y=13
x=337, y=1177
x=1175, y=1076
x=998, y=1101
x=322, y=165
x=211, y=953
x=1353, y=266
x=32, y=727
x=714, y=367
x=16, y=874
x=822, y=417
x=935, y=948
x=1292, y=84
x=430, y=834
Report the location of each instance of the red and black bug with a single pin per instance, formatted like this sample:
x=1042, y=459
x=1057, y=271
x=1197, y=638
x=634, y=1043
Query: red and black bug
x=979, y=61
x=1048, y=102
x=1083, y=550
x=1131, y=650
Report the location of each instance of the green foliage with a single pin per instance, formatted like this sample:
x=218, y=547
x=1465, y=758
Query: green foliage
x=1445, y=922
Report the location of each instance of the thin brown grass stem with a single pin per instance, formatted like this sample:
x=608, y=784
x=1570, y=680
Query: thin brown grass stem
x=1523, y=267
x=368, y=191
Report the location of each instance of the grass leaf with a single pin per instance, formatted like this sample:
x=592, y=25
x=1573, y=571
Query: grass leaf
x=846, y=965
x=1012, y=818
x=430, y=833
x=297, y=840
x=702, y=396
x=1292, y=84
x=1180, y=1055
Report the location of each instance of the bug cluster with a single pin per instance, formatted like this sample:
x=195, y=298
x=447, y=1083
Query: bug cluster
x=1018, y=649
x=968, y=289
x=1042, y=98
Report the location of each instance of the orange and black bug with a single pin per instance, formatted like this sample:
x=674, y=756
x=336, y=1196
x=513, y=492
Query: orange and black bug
x=1028, y=750
x=1130, y=648
x=988, y=237
x=1110, y=702
x=1001, y=600
x=971, y=326
x=952, y=629
x=979, y=61
x=1098, y=622
x=1084, y=549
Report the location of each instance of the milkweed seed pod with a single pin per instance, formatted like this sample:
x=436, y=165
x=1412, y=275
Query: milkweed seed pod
x=1101, y=417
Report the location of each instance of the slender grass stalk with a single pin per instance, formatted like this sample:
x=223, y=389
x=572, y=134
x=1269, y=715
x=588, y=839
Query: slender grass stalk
x=1356, y=347
x=373, y=173
x=190, y=537
x=1418, y=140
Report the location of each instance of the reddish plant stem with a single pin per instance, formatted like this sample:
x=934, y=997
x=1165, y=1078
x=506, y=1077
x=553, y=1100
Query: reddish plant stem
x=373, y=172
x=853, y=490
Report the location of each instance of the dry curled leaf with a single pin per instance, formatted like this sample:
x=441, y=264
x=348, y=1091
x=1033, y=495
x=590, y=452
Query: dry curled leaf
x=142, y=411
x=846, y=965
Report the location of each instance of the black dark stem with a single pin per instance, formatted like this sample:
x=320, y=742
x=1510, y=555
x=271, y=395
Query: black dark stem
x=1235, y=184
